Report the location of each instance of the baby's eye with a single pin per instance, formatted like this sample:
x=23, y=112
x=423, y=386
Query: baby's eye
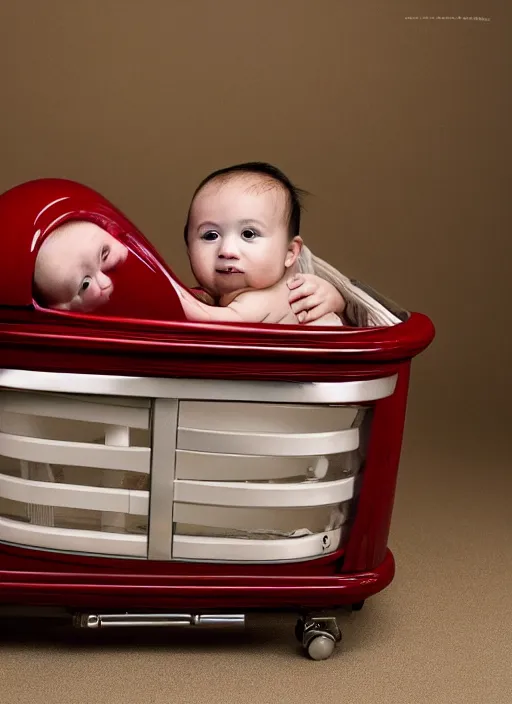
x=210, y=236
x=104, y=253
x=249, y=234
x=85, y=284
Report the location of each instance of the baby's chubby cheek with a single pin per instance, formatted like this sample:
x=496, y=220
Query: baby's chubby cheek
x=265, y=275
x=202, y=268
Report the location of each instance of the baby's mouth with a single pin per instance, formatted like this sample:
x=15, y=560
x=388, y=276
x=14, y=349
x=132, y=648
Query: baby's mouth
x=229, y=270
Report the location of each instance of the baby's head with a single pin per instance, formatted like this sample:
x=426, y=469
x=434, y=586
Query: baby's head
x=242, y=229
x=72, y=267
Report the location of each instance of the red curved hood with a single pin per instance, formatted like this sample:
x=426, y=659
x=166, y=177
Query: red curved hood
x=144, y=285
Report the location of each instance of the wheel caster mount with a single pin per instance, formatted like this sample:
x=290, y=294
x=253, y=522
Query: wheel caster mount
x=318, y=635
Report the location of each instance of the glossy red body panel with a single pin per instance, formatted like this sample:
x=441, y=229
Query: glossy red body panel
x=367, y=544
x=224, y=589
x=143, y=333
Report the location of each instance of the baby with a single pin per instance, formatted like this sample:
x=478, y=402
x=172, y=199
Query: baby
x=243, y=242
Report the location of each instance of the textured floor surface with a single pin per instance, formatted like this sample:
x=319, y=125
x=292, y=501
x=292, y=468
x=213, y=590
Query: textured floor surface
x=441, y=633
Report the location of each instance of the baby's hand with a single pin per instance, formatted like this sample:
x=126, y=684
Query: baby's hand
x=312, y=297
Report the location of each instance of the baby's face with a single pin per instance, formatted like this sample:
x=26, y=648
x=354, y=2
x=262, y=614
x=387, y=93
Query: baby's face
x=73, y=264
x=238, y=235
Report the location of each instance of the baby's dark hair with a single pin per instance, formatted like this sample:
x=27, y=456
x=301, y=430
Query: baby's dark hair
x=294, y=194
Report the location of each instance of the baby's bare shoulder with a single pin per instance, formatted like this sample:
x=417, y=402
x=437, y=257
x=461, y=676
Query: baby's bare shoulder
x=255, y=304
x=255, y=297
x=265, y=294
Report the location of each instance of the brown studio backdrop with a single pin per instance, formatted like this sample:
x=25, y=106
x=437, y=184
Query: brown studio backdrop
x=399, y=128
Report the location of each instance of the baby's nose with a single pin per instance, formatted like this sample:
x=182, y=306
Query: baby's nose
x=104, y=281
x=228, y=249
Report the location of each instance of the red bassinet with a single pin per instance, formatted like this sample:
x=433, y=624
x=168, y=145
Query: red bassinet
x=159, y=471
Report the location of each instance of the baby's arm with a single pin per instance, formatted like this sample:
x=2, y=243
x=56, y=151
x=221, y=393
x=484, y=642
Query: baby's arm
x=201, y=312
x=312, y=298
x=248, y=307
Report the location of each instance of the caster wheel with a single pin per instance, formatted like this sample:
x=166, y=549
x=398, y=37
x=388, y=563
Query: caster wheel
x=321, y=647
x=358, y=606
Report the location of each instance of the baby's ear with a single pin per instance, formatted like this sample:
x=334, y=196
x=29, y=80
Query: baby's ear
x=294, y=249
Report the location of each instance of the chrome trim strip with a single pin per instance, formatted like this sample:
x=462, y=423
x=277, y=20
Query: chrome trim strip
x=164, y=425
